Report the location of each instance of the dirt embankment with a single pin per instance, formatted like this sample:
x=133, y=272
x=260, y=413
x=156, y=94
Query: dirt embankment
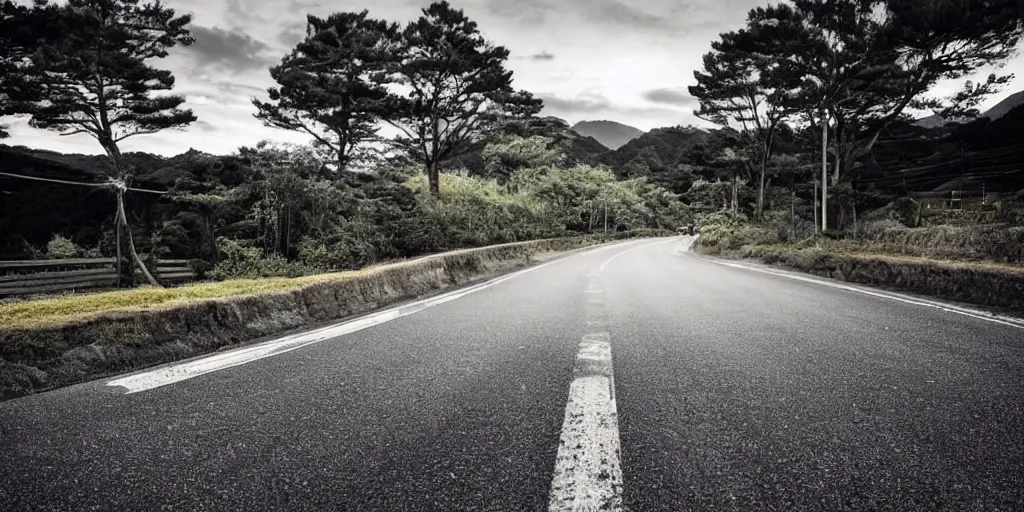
x=985, y=284
x=40, y=357
x=981, y=265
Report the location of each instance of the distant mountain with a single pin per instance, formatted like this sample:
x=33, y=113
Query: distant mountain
x=152, y=171
x=997, y=111
x=937, y=121
x=669, y=145
x=662, y=155
x=609, y=133
x=1005, y=106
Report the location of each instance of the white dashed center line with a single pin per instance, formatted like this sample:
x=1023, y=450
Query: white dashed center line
x=588, y=474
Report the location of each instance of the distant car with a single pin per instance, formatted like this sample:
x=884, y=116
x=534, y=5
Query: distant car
x=688, y=230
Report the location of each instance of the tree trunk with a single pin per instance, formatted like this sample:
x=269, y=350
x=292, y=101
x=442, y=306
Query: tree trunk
x=817, y=223
x=117, y=243
x=735, y=193
x=434, y=179
x=792, y=210
x=854, y=205
x=115, y=156
x=123, y=219
x=759, y=214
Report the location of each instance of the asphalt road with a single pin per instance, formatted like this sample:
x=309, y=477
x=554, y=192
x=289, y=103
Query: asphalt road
x=734, y=390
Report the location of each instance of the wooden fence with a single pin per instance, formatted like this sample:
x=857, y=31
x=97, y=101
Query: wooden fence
x=29, y=277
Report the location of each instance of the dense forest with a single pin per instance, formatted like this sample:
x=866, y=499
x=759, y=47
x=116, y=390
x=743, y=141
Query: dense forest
x=806, y=90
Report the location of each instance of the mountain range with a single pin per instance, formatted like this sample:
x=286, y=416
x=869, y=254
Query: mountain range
x=610, y=134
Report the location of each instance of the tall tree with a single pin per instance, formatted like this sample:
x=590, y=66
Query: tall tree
x=22, y=29
x=459, y=91
x=95, y=78
x=742, y=86
x=874, y=59
x=333, y=85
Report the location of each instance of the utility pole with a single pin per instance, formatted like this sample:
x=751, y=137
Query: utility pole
x=605, y=217
x=824, y=170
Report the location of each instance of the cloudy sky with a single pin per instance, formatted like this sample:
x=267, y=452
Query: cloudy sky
x=624, y=60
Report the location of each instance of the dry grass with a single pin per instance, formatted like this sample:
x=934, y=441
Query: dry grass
x=73, y=307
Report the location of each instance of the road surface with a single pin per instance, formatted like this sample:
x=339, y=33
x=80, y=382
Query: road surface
x=632, y=377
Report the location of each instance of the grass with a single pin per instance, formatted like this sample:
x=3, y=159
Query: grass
x=35, y=312
x=865, y=251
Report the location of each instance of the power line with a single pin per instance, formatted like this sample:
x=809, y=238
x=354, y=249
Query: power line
x=66, y=182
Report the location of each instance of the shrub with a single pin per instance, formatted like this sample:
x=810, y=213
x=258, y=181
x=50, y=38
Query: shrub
x=907, y=211
x=60, y=247
x=241, y=260
x=727, y=231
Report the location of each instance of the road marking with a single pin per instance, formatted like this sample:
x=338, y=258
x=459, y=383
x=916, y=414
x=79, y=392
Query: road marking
x=588, y=474
x=177, y=372
x=980, y=315
x=631, y=249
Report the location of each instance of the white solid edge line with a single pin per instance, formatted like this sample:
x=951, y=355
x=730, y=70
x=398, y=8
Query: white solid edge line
x=177, y=372
x=588, y=471
x=980, y=315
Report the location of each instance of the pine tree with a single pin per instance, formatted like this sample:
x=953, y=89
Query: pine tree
x=93, y=76
x=459, y=90
x=333, y=85
x=743, y=86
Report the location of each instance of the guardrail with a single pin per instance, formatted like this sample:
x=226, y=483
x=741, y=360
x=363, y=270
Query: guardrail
x=30, y=277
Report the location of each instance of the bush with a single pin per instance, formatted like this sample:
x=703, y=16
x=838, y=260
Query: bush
x=727, y=231
x=240, y=260
x=876, y=227
x=907, y=211
x=60, y=248
x=473, y=212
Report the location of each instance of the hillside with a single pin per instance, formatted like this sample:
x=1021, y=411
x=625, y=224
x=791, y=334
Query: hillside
x=578, y=149
x=998, y=110
x=153, y=171
x=32, y=209
x=1004, y=107
x=983, y=156
x=609, y=133
x=660, y=155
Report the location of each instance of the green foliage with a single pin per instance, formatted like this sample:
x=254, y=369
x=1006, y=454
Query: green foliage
x=239, y=260
x=477, y=211
x=726, y=231
x=21, y=30
x=60, y=247
x=504, y=156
